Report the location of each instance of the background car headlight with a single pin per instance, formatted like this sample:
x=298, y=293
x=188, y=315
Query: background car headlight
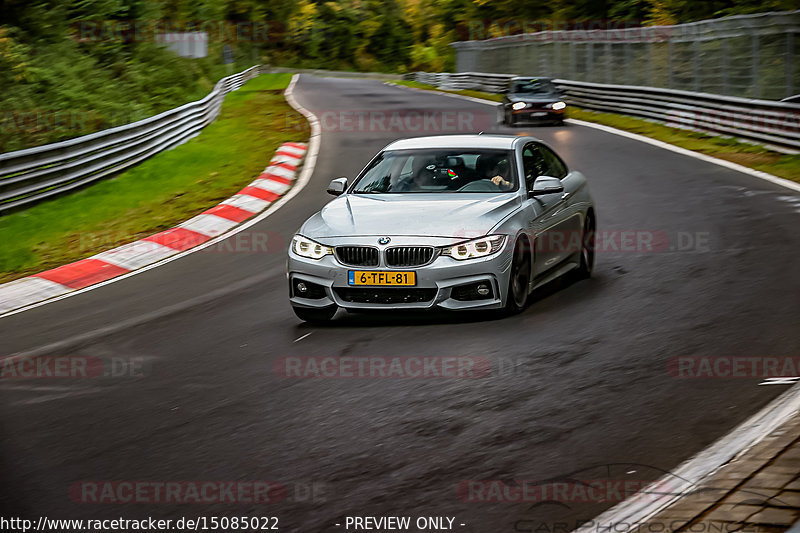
x=558, y=106
x=476, y=247
x=310, y=249
x=516, y=106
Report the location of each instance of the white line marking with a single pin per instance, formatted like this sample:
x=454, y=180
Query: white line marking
x=780, y=381
x=303, y=337
x=279, y=171
x=211, y=225
x=30, y=289
x=280, y=159
x=246, y=202
x=298, y=152
x=697, y=155
x=302, y=181
x=136, y=254
x=271, y=185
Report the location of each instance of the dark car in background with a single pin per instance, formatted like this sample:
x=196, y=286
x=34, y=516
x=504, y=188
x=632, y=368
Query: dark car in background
x=531, y=101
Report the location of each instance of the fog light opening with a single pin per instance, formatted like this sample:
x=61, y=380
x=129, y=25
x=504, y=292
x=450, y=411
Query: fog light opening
x=479, y=290
x=308, y=290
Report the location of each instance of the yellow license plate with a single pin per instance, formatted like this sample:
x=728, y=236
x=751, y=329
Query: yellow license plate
x=381, y=278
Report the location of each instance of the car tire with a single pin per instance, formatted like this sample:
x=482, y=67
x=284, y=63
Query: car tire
x=315, y=315
x=519, y=280
x=586, y=264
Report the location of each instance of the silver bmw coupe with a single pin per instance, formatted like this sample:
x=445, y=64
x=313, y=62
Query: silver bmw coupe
x=452, y=222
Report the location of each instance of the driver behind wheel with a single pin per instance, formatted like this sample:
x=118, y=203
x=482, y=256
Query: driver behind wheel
x=499, y=173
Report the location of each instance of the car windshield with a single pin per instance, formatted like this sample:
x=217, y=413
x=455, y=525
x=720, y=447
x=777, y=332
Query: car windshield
x=439, y=171
x=532, y=86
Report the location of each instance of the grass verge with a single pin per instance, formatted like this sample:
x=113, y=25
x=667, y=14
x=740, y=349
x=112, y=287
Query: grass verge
x=161, y=192
x=746, y=154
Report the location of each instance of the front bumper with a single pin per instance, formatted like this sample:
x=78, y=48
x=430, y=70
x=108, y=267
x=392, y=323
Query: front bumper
x=533, y=116
x=439, y=284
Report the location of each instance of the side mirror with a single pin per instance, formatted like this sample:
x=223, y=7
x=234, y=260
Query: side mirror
x=337, y=186
x=546, y=185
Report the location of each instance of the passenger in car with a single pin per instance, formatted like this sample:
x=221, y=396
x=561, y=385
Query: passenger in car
x=418, y=181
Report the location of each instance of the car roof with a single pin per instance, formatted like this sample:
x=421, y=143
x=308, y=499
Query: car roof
x=500, y=142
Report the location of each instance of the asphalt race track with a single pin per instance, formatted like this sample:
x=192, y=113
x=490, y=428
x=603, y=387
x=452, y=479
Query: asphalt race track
x=579, y=386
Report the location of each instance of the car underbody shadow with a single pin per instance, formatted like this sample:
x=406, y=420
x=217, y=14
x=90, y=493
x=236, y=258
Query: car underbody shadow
x=416, y=317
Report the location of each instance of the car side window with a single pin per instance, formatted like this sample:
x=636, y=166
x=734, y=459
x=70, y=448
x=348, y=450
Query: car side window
x=533, y=164
x=555, y=167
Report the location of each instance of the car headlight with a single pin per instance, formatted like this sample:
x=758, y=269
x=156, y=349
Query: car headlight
x=475, y=248
x=558, y=106
x=516, y=106
x=310, y=249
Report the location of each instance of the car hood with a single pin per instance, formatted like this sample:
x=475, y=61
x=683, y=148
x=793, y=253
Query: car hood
x=534, y=98
x=460, y=215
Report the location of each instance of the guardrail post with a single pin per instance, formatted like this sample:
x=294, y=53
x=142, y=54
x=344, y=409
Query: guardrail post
x=626, y=69
x=790, y=60
x=558, y=62
x=756, y=63
x=725, y=50
x=571, y=60
x=670, y=52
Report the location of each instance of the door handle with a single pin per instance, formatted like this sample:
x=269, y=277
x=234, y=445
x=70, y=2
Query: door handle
x=565, y=196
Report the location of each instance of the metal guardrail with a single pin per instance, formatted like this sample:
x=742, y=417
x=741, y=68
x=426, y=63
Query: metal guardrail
x=775, y=124
x=750, y=56
x=35, y=174
x=478, y=81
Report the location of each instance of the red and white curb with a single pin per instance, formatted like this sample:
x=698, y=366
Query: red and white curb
x=271, y=185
